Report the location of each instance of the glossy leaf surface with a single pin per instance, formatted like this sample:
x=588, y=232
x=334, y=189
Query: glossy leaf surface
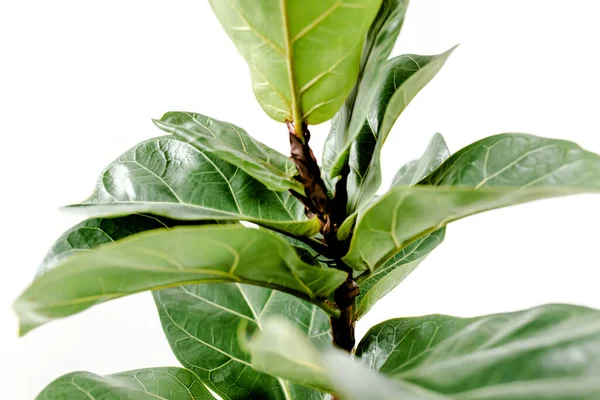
x=235, y=146
x=201, y=321
x=548, y=352
x=143, y=384
x=163, y=258
x=377, y=47
x=403, y=78
x=165, y=176
x=494, y=172
x=202, y=324
x=303, y=55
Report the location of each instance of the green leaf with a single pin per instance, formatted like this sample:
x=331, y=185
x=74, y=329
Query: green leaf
x=142, y=384
x=548, y=352
x=216, y=305
x=235, y=146
x=303, y=55
x=162, y=258
x=202, y=322
x=413, y=172
x=165, y=176
x=281, y=349
x=495, y=172
x=377, y=47
x=403, y=79
x=375, y=286
x=94, y=232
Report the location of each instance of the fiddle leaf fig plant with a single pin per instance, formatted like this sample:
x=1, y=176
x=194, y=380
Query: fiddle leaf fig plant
x=267, y=310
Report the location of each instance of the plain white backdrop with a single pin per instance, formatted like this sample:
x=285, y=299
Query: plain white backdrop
x=81, y=79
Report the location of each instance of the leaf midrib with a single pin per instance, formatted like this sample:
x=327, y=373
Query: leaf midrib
x=289, y=53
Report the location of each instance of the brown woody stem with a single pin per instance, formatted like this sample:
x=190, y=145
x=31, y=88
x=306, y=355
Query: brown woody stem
x=331, y=213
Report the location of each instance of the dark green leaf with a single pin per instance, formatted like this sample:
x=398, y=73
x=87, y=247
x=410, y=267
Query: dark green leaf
x=403, y=79
x=162, y=258
x=376, y=285
x=303, y=55
x=549, y=352
x=165, y=176
x=202, y=324
x=377, y=47
x=142, y=384
x=492, y=173
x=234, y=145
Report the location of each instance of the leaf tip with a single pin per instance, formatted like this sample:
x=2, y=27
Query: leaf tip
x=26, y=325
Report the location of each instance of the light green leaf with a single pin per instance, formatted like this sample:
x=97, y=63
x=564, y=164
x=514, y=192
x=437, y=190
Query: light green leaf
x=436, y=153
x=403, y=78
x=346, y=228
x=375, y=286
x=162, y=258
x=303, y=55
x=202, y=323
x=495, y=172
x=165, y=176
x=235, y=146
x=377, y=47
x=548, y=352
x=281, y=349
x=215, y=307
x=142, y=384
x=94, y=232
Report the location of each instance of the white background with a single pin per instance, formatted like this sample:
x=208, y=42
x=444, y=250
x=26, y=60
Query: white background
x=80, y=80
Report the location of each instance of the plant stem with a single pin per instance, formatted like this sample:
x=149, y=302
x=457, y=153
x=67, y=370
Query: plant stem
x=331, y=213
x=342, y=328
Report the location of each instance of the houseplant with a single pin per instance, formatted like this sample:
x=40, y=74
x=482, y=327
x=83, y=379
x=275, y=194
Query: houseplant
x=212, y=180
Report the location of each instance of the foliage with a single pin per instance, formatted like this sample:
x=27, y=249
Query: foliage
x=257, y=311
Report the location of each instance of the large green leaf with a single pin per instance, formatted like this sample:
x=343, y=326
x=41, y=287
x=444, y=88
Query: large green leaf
x=403, y=78
x=548, y=352
x=376, y=285
x=303, y=55
x=234, y=145
x=143, y=384
x=377, y=47
x=217, y=305
x=168, y=177
x=492, y=173
x=94, y=232
x=202, y=323
x=171, y=257
x=282, y=350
